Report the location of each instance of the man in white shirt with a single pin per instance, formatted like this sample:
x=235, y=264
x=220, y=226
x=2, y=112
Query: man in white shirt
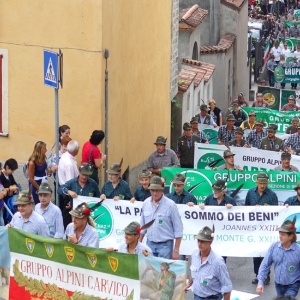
x=49, y=211
x=276, y=51
x=285, y=50
x=67, y=170
x=67, y=167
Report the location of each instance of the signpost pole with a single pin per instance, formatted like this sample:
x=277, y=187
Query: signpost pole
x=51, y=78
x=56, y=143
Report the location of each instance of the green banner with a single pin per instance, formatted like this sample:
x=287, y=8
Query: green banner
x=290, y=24
x=57, y=250
x=291, y=42
x=287, y=75
x=271, y=95
x=199, y=182
x=270, y=116
x=46, y=268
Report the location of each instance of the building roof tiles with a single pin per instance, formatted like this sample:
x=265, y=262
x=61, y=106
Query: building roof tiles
x=224, y=45
x=185, y=78
x=190, y=18
x=205, y=69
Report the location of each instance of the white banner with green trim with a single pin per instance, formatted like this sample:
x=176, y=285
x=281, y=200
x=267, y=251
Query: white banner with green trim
x=250, y=159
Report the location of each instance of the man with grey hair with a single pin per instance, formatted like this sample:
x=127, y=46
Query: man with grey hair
x=67, y=170
x=67, y=167
x=163, y=157
x=27, y=219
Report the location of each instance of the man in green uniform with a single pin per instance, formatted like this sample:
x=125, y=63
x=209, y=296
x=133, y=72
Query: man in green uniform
x=204, y=117
x=271, y=142
x=238, y=138
x=294, y=127
x=166, y=282
x=186, y=146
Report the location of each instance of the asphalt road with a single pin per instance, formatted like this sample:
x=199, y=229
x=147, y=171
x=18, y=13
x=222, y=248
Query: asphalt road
x=241, y=273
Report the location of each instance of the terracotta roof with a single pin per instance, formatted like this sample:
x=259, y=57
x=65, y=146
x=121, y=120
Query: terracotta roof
x=199, y=77
x=185, y=78
x=190, y=18
x=201, y=66
x=233, y=3
x=225, y=43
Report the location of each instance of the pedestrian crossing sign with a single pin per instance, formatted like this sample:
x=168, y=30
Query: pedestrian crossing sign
x=51, y=68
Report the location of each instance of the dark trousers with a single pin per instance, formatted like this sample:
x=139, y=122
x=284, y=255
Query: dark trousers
x=271, y=78
x=294, y=85
x=63, y=201
x=256, y=263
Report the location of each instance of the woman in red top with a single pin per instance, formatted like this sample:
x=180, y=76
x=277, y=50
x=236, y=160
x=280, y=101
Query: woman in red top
x=91, y=153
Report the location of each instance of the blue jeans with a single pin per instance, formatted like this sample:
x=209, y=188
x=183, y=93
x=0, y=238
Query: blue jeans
x=287, y=290
x=164, y=249
x=1, y=218
x=220, y=297
x=34, y=194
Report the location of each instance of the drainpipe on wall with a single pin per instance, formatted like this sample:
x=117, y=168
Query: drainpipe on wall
x=106, y=56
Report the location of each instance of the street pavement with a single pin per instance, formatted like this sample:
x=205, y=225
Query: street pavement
x=241, y=274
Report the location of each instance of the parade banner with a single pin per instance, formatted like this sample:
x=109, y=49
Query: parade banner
x=239, y=231
x=291, y=43
x=270, y=116
x=4, y=263
x=271, y=95
x=45, y=268
x=251, y=229
x=199, y=182
x=287, y=75
x=285, y=95
x=277, y=98
x=290, y=24
x=250, y=159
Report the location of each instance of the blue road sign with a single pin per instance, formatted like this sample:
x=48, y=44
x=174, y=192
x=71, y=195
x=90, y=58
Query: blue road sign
x=51, y=68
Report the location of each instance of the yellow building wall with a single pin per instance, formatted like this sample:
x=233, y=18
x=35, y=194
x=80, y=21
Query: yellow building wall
x=138, y=35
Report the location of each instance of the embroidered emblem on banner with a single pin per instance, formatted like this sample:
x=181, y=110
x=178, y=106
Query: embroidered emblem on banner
x=92, y=258
x=30, y=244
x=70, y=253
x=49, y=249
x=113, y=262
